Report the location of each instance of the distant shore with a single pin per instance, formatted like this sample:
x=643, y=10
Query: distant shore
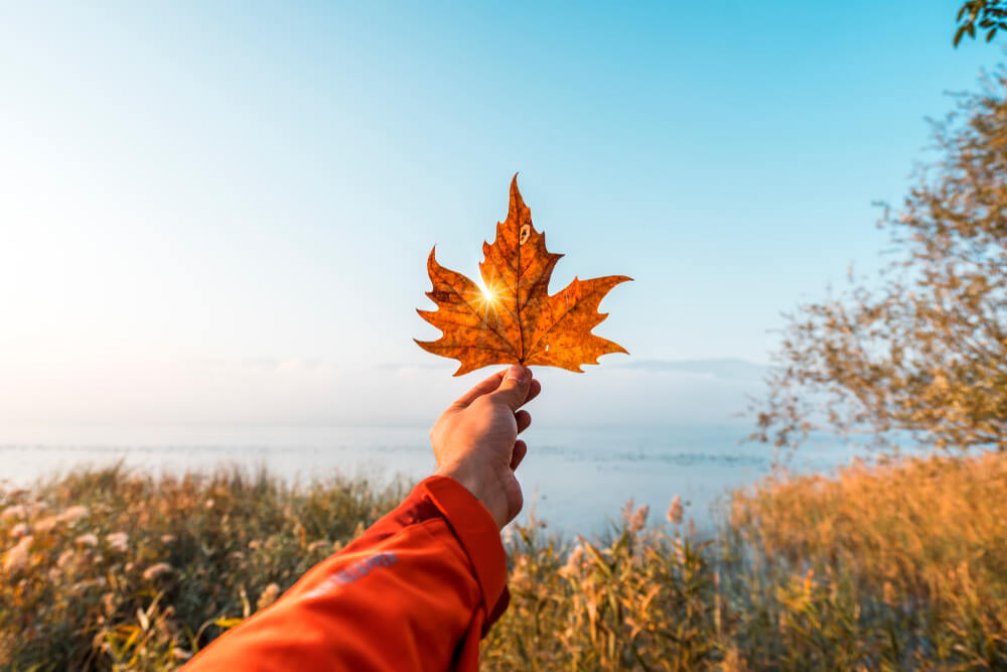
x=700, y=463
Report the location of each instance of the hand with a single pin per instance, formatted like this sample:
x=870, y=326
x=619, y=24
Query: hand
x=475, y=441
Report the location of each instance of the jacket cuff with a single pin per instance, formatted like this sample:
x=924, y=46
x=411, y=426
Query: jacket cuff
x=478, y=534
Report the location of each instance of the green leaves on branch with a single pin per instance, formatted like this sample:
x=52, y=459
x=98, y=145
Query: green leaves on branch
x=979, y=16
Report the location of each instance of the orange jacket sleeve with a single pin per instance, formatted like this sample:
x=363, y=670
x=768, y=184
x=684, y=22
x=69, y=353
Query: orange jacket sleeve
x=417, y=591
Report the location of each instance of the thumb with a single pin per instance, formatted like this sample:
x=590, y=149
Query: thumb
x=514, y=387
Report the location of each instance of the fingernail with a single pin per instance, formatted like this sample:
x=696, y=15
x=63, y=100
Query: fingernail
x=518, y=373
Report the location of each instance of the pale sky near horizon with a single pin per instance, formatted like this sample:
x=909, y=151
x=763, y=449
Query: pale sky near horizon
x=220, y=212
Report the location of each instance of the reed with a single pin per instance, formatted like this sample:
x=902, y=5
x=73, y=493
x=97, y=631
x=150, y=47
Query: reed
x=901, y=565
x=108, y=569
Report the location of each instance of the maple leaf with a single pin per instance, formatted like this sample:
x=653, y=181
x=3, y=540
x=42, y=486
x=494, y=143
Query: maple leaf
x=513, y=319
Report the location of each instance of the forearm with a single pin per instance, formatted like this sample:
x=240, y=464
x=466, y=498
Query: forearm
x=414, y=592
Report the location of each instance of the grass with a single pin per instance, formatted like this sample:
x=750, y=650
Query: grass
x=113, y=570
x=905, y=565
x=891, y=567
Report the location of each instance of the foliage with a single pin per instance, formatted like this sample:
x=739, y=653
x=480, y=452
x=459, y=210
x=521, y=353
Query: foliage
x=984, y=15
x=897, y=566
x=515, y=320
x=922, y=349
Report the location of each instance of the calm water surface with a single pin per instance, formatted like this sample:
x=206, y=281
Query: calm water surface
x=576, y=479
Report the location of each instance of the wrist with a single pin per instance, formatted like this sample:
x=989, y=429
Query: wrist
x=489, y=491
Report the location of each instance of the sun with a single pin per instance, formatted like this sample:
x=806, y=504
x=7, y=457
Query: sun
x=490, y=294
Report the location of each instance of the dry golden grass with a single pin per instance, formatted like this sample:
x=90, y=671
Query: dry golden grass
x=905, y=563
x=917, y=529
x=901, y=566
x=643, y=599
x=111, y=570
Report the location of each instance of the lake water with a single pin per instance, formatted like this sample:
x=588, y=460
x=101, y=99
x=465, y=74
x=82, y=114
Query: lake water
x=576, y=479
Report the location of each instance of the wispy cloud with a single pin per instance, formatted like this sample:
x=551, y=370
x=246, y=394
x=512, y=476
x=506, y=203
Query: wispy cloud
x=298, y=390
x=722, y=369
x=407, y=367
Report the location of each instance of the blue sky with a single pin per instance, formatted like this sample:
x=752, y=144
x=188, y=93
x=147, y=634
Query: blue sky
x=220, y=212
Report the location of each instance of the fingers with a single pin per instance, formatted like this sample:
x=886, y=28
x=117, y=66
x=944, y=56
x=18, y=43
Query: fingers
x=509, y=383
x=523, y=420
x=514, y=387
x=520, y=450
x=533, y=391
x=485, y=387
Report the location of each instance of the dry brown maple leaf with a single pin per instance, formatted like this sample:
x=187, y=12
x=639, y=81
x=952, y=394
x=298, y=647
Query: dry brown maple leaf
x=515, y=320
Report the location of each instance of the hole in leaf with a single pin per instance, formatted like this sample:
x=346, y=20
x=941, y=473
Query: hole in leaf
x=525, y=232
